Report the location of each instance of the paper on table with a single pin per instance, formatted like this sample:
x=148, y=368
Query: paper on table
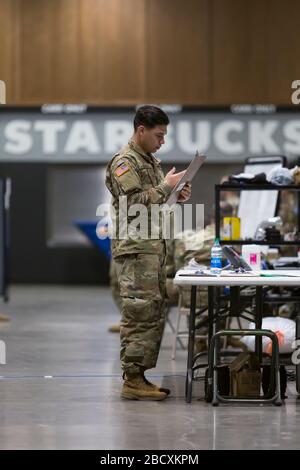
x=191, y=170
x=191, y=272
x=197, y=273
x=234, y=274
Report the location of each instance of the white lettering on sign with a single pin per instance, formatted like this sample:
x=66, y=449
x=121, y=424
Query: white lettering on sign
x=222, y=140
x=19, y=141
x=261, y=137
x=201, y=139
x=115, y=134
x=100, y=139
x=49, y=130
x=291, y=131
x=82, y=137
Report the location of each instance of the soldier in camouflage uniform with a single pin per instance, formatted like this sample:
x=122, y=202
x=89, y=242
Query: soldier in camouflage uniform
x=171, y=289
x=172, y=293
x=135, y=173
x=114, y=287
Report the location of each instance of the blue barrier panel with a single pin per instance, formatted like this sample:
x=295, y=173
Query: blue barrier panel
x=89, y=230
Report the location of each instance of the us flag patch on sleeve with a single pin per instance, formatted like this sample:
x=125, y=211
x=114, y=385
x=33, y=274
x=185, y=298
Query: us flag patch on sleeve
x=121, y=169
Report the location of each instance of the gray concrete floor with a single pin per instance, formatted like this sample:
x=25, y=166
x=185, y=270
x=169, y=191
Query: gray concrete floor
x=60, y=387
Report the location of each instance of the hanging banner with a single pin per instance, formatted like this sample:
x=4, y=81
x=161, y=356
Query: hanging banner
x=77, y=133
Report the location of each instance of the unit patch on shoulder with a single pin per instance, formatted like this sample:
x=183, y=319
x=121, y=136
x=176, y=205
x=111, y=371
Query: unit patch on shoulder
x=121, y=169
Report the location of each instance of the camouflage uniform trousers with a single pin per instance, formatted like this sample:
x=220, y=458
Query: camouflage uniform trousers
x=142, y=280
x=113, y=281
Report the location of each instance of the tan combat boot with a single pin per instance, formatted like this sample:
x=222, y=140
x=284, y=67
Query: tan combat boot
x=135, y=388
x=167, y=391
x=4, y=318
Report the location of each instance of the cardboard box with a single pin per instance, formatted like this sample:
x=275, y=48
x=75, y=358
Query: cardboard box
x=245, y=383
x=245, y=376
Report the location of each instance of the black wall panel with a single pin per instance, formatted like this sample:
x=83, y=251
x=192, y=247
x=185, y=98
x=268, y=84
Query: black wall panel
x=30, y=259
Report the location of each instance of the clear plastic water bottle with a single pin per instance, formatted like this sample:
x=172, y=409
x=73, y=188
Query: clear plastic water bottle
x=216, y=258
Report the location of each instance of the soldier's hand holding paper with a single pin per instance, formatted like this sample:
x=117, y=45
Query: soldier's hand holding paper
x=185, y=193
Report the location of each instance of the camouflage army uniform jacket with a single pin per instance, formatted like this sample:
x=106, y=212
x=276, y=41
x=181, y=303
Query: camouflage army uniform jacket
x=139, y=176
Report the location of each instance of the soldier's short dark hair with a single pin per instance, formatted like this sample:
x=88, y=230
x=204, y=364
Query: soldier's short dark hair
x=150, y=116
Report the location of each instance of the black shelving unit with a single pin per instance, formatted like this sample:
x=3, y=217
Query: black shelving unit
x=268, y=187
x=219, y=188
